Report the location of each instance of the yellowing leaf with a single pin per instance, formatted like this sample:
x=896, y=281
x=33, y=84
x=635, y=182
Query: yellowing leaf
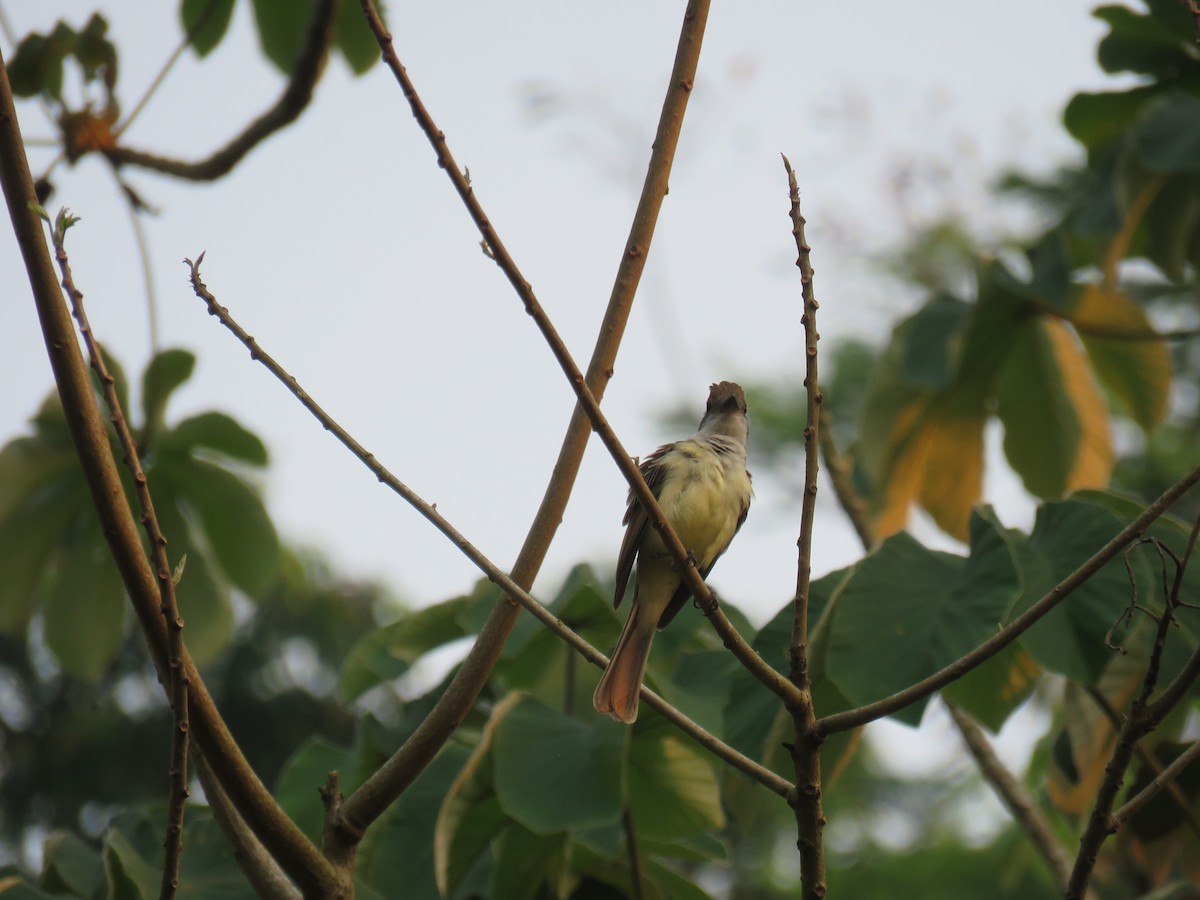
x=952, y=471
x=936, y=460
x=1056, y=427
x=1093, y=462
x=1138, y=371
x=900, y=477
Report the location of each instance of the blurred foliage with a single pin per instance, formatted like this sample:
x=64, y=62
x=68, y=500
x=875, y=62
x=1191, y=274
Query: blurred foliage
x=53, y=552
x=1092, y=327
x=538, y=797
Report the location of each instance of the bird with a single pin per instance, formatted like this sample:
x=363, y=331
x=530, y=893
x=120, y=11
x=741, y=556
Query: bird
x=704, y=490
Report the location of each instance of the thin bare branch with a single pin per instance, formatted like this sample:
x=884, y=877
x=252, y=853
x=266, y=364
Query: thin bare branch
x=178, y=686
x=741, y=648
x=397, y=773
x=261, y=871
x=298, y=856
x=1144, y=716
x=1165, y=779
x=1194, y=10
x=1151, y=761
x=1016, y=799
x=295, y=98
x=840, y=475
x=157, y=81
x=852, y=718
x=806, y=749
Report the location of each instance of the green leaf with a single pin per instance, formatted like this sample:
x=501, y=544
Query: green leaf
x=526, y=862
x=235, y=523
x=85, y=606
x=130, y=876
x=660, y=882
x=1071, y=638
x=354, y=38
x=217, y=432
x=305, y=772
x=388, y=652
x=96, y=54
x=753, y=714
x=206, y=21
x=281, y=28
x=471, y=815
x=700, y=685
x=907, y=611
x=1096, y=120
x=28, y=538
x=930, y=339
x=207, y=870
x=164, y=374
x=673, y=789
x=1167, y=137
x=37, y=66
x=27, y=465
x=409, y=823
x=70, y=866
x=1173, y=227
x=1139, y=43
x=994, y=690
x=553, y=772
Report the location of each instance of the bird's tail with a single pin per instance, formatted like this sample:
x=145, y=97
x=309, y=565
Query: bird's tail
x=619, y=687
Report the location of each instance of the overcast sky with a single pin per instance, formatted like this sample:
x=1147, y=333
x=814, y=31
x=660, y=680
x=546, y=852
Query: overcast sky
x=340, y=245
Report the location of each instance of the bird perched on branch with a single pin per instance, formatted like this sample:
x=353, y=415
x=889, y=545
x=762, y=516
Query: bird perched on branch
x=702, y=486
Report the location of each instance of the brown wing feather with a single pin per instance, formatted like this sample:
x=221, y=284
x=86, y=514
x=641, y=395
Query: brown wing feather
x=683, y=592
x=635, y=520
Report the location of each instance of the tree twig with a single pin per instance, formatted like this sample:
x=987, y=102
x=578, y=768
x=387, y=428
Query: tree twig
x=841, y=479
x=298, y=856
x=177, y=686
x=806, y=749
x=1016, y=799
x=263, y=873
x=295, y=98
x=852, y=718
x=1144, y=716
x=166, y=68
x=1194, y=10
x=362, y=807
x=740, y=647
x=1151, y=761
x=1165, y=779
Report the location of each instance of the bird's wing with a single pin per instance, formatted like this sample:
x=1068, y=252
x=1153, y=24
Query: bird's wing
x=635, y=520
x=683, y=592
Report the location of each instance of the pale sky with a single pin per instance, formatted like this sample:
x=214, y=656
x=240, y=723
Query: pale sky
x=340, y=245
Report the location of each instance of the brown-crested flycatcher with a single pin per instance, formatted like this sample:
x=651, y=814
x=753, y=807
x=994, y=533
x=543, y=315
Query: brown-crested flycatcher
x=702, y=486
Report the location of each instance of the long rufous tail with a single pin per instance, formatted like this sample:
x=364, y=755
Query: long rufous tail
x=620, y=685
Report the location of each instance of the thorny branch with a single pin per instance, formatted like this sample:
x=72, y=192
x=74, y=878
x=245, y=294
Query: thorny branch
x=806, y=749
x=178, y=684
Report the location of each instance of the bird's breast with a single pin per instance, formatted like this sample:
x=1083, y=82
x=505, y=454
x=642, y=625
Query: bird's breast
x=703, y=496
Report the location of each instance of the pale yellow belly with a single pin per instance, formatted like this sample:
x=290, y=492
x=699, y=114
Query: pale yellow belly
x=703, y=500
